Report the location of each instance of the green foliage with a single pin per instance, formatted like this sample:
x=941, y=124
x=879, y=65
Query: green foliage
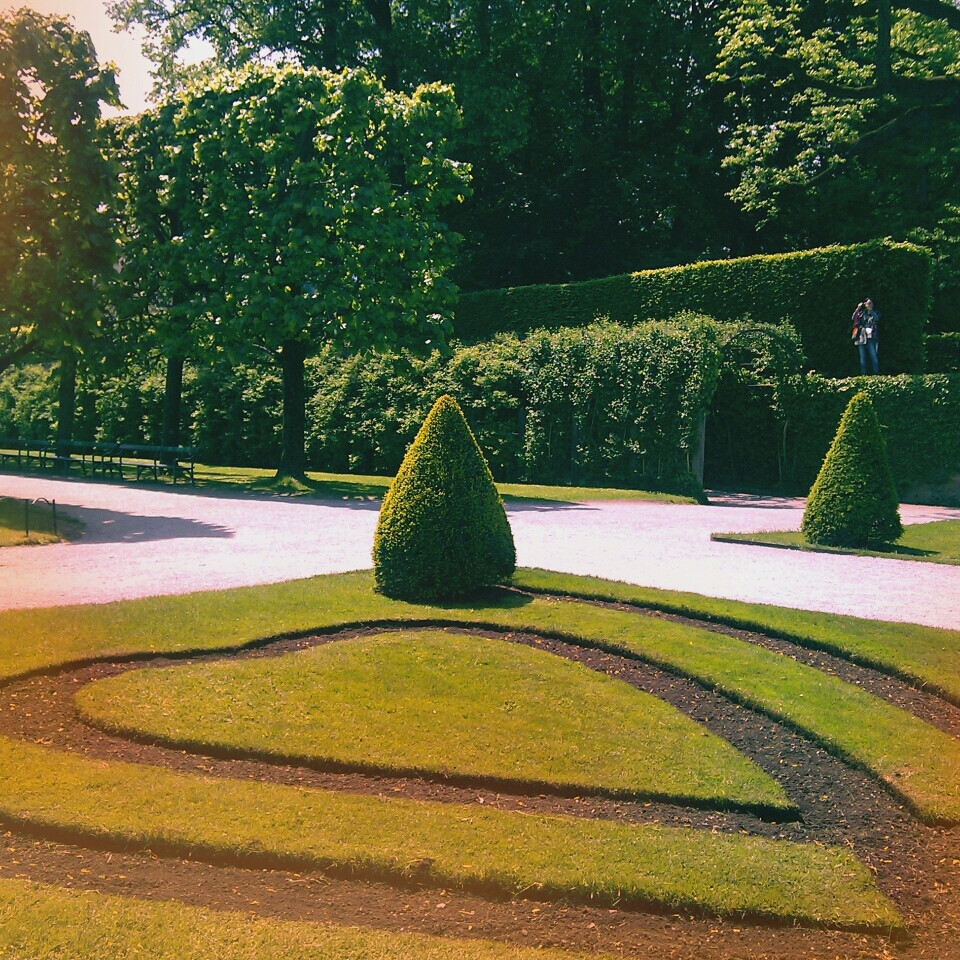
x=919, y=418
x=326, y=191
x=443, y=532
x=853, y=502
x=55, y=242
x=842, y=115
x=943, y=352
x=235, y=411
x=367, y=408
x=607, y=404
x=815, y=291
x=28, y=402
x=591, y=129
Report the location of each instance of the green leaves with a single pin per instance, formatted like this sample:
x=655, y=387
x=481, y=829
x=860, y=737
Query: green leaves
x=853, y=502
x=54, y=234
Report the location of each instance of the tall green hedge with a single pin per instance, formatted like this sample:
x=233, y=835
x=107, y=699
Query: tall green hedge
x=919, y=418
x=943, y=352
x=603, y=404
x=816, y=290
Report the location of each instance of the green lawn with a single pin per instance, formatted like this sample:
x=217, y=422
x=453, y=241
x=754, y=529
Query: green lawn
x=918, y=762
x=468, y=847
x=935, y=542
x=14, y=518
x=437, y=703
x=342, y=486
x=478, y=848
x=46, y=922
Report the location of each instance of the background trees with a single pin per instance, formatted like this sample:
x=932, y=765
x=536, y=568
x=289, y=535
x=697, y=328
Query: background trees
x=55, y=240
x=593, y=134
x=307, y=210
x=846, y=118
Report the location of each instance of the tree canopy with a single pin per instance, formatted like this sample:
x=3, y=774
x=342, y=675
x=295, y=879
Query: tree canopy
x=845, y=114
x=594, y=137
x=55, y=238
x=308, y=210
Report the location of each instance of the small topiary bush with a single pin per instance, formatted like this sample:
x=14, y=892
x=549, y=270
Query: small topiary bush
x=443, y=533
x=853, y=502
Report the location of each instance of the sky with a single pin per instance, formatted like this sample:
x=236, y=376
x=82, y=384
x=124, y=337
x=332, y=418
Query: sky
x=123, y=49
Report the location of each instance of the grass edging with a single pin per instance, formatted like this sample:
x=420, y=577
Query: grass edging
x=926, y=657
x=480, y=850
x=42, y=921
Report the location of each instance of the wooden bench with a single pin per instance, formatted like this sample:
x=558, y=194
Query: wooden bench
x=25, y=452
x=140, y=459
x=106, y=458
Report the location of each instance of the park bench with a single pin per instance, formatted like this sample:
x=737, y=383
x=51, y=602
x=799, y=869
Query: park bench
x=91, y=457
x=140, y=459
x=103, y=457
x=25, y=452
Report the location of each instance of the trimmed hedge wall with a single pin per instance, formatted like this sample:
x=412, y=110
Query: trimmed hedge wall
x=943, y=352
x=600, y=404
x=816, y=290
x=919, y=418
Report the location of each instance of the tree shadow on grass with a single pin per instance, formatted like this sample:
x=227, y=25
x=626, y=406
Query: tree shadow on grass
x=500, y=597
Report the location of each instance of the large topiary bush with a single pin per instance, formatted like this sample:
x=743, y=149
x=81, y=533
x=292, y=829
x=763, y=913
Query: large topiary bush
x=853, y=502
x=443, y=532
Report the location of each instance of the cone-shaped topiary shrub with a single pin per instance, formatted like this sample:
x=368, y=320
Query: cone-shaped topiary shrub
x=853, y=502
x=443, y=532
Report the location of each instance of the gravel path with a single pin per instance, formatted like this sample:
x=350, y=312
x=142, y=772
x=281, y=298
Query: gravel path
x=142, y=541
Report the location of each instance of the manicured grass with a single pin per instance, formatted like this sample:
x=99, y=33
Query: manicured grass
x=45, y=922
x=471, y=847
x=921, y=764
x=342, y=486
x=936, y=542
x=442, y=703
x=927, y=656
x=13, y=524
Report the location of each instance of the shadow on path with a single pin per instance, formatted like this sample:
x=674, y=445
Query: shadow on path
x=111, y=526
x=724, y=498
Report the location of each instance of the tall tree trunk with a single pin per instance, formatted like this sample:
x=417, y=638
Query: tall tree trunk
x=292, y=458
x=382, y=15
x=172, y=395
x=66, y=405
x=884, y=23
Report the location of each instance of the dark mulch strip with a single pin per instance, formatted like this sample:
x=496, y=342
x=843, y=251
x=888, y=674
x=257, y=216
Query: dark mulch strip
x=917, y=866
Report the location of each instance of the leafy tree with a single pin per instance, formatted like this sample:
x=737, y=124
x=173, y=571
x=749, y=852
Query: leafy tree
x=594, y=136
x=159, y=302
x=853, y=502
x=845, y=116
x=312, y=214
x=442, y=533
x=55, y=238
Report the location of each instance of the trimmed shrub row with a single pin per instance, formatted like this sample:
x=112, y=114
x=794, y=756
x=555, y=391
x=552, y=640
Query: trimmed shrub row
x=815, y=290
x=943, y=352
x=549, y=407
x=601, y=404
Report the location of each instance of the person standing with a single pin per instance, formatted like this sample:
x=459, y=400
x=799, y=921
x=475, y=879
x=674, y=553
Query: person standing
x=866, y=335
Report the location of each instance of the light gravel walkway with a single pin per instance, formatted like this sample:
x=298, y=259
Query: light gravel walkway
x=142, y=541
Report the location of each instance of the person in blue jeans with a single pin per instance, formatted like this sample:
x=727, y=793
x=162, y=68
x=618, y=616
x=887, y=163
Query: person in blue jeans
x=866, y=335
